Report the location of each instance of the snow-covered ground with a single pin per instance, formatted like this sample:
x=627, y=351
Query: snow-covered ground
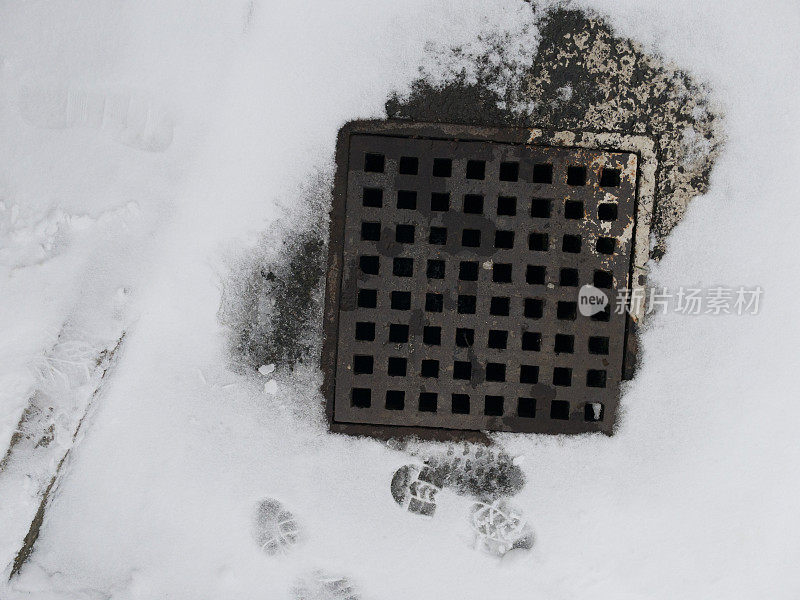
x=143, y=144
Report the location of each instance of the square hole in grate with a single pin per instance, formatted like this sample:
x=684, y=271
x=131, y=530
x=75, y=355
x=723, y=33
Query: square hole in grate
x=506, y=206
x=361, y=397
x=498, y=339
x=564, y=344
x=596, y=378
x=568, y=277
x=440, y=201
x=559, y=409
x=503, y=239
x=371, y=231
x=460, y=404
x=509, y=171
x=435, y=269
x=408, y=165
x=406, y=199
x=428, y=401
x=493, y=406
x=432, y=335
x=404, y=213
x=607, y=211
x=605, y=245
x=473, y=204
x=476, y=169
x=571, y=244
x=526, y=407
x=362, y=364
x=562, y=376
x=367, y=298
x=434, y=302
x=365, y=331
x=535, y=275
x=495, y=371
x=438, y=236
x=566, y=311
x=576, y=175
x=402, y=267
x=538, y=242
x=462, y=369
x=501, y=272
x=598, y=345
x=603, y=316
x=429, y=368
x=468, y=270
x=573, y=209
x=466, y=304
x=373, y=197
x=465, y=337
x=369, y=265
x=395, y=400
x=528, y=374
x=543, y=173
x=404, y=234
x=534, y=308
x=541, y=208
x=603, y=279
x=396, y=366
x=401, y=300
x=398, y=333
x=609, y=177
x=593, y=411
x=442, y=167
x=471, y=238
x=500, y=306
x=373, y=163
x=531, y=341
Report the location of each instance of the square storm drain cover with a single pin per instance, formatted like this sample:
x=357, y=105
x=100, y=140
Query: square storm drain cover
x=453, y=288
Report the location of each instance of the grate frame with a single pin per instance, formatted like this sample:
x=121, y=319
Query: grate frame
x=463, y=143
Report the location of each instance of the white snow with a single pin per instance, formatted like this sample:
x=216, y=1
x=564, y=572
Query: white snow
x=230, y=107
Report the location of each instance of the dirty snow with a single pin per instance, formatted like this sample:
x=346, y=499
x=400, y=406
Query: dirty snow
x=141, y=142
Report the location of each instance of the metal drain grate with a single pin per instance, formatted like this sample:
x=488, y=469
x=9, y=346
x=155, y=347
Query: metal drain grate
x=453, y=289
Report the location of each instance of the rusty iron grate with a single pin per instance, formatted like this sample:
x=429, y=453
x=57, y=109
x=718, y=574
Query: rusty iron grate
x=453, y=284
